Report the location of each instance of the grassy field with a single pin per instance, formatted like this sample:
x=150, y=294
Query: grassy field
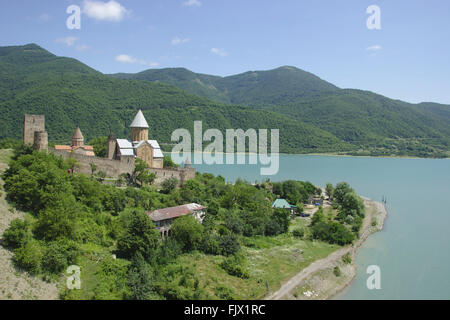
x=5, y=156
x=271, y=260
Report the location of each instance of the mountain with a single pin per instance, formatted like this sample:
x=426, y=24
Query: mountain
x=70, y=94
x=374, y=124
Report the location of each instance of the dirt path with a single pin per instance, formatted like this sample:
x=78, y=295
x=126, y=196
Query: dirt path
x=378, y=212
x=14, y=284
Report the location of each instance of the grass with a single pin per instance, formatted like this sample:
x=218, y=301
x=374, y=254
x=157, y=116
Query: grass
x=5, y=155
x=271, y=260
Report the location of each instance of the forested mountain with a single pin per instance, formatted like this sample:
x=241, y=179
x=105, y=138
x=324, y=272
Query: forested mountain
x=312, y=115
x=374, y=124
x=71, y=94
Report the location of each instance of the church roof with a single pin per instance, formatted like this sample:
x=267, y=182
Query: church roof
x=78, y=134
x=139, y=121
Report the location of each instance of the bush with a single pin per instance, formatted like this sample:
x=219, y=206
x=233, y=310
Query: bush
x=224, y=293
x=235, y=265
x=29, y=256
x=298, y=233
x=59, y=255
x=347, y=259
x=229, y=244
x=337, y=272
x=17, y=234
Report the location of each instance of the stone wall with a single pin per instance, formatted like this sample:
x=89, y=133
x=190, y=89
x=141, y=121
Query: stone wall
x=114, y=168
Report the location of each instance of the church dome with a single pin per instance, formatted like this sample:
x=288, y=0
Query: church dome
x=139, y=121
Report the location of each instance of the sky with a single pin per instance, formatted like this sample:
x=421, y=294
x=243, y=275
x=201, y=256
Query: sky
x=406, y=58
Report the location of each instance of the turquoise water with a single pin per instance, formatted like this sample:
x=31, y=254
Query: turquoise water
x=413, y=250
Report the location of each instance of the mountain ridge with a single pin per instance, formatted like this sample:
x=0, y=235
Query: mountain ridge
x=313, y=115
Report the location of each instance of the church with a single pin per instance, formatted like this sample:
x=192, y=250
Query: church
x=139, y=146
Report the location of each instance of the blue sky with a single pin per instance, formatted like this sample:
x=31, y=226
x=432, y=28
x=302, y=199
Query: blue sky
x=407, y=59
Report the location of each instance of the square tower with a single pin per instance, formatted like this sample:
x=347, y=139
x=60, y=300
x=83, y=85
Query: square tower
x=32, y=124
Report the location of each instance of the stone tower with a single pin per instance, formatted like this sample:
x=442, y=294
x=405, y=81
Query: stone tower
x=77, y=139
x=40, y=141
x=32, y=124
x=111, y=146
x=139, y=128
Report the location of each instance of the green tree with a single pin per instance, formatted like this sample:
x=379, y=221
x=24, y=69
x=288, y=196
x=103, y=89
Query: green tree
x=140, y=236
x=100, y=145
x=141, y=280
x=188, y=232
x=341, y=189
x=329, y=190
x=169, y=185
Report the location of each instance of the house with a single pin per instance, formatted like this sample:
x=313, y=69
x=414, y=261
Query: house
x=139, y=146
x=163, y=218
x=77, y=146
x=283, y=204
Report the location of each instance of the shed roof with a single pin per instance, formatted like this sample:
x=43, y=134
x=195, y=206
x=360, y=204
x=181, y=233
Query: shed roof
x=281, y=203
x=174, y=212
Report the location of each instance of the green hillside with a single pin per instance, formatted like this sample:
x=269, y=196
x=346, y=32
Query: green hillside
x=69, y=93
x=373, y=124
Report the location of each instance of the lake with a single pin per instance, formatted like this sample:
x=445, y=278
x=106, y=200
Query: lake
x=413, y=250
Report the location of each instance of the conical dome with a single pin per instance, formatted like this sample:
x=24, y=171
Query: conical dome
x=77, y=139
x=139, y=121
x=78, y=134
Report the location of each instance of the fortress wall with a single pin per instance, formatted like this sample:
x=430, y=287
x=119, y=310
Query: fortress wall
x=114, y=168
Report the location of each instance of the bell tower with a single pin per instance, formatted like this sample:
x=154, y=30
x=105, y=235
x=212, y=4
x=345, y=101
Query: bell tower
x=77, y=139
x=139, y=128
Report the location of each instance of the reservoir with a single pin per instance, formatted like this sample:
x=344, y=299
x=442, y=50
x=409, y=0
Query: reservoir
x=413, y=250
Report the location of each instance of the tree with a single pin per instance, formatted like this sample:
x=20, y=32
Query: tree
x=17, y=234
x=100, y=145
x=188, y=232
x=229, y=244
x=339, y=192
x=141, y=279
x=169, y=185
x=169, y=163
x=140, y=236
x=329, y=190
x=93, y=168
x=141, y=175
x=71, y=163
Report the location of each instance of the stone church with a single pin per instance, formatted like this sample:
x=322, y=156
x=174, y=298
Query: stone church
x=139, y=146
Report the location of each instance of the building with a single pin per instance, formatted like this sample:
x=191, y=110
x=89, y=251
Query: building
x=139, y=146
x=34, y=133
x=283, y=204
x=163, y=218
x=77, y=146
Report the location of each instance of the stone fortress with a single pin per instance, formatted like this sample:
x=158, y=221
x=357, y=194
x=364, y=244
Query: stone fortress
x=121, y=153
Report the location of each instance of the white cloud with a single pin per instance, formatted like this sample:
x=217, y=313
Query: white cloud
x=109, y=11
x=374, y=48
x=191, y=3
x=83, y=47
x=124, y=58
x=177, y=40
x=45, y=17
x=219, y=52
x=68, y=41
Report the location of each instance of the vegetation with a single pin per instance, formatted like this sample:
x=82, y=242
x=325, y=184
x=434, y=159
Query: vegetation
x=314, y=116
x=74, y=219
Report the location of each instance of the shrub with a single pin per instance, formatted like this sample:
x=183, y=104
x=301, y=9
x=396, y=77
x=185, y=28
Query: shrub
x=17, y=234
x=337, y=272
x=188, y=232
x=298, y=233
x=229, y=244
x=59, y=255
x=235, y=265
x=224, y=293
x=29, y=256
x=347, y=259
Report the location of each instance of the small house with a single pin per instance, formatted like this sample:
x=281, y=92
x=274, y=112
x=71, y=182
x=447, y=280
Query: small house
x=163, y=218
x=283, y=204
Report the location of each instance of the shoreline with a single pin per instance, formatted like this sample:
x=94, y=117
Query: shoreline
x=318, y=281
x=325, y=154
